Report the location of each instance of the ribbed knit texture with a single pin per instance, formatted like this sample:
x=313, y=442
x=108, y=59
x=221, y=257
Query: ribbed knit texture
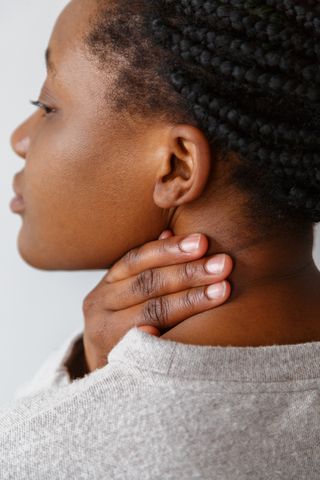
x=166, y=410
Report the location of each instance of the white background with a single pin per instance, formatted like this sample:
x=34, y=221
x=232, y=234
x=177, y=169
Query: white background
x=37, y=309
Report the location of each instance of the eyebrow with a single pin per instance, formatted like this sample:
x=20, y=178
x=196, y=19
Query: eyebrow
x=49, y=64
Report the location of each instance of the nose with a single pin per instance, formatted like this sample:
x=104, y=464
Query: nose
x=21, y=137
x=20, y=141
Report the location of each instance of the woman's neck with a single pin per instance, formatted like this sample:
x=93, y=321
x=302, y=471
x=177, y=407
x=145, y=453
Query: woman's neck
x=275, y=291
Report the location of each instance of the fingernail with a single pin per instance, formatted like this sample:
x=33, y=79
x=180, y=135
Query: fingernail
x=163, y=234
x=191, y=243
x=216, y=264
x=218, y=290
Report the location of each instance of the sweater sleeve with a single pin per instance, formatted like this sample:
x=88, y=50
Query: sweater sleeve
x=60, y=368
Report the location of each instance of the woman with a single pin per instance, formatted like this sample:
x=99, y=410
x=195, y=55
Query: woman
x=198, y=116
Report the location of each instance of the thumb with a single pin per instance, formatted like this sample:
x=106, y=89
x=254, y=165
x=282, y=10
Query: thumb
x=151, y=330
x=165, y=234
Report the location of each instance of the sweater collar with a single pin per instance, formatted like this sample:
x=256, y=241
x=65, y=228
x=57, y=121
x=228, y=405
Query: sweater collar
x=260, y=364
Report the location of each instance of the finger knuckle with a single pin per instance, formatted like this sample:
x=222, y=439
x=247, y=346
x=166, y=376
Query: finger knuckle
x=89, y=303
x=132, y=257
x=146, y=283
x=156, y=312
x=165, y=246
x=191, y=299
x=189, y=271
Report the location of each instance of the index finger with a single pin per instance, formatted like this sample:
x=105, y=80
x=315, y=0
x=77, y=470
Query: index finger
x=158, y=253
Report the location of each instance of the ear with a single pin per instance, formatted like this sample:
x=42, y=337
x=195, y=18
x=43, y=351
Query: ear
x=184, y=169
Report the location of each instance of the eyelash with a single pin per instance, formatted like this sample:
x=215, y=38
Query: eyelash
x=47, y=110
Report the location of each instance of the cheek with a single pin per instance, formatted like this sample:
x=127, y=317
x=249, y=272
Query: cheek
x=85, y=209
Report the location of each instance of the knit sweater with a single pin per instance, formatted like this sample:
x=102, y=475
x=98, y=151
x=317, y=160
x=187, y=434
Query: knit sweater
x=165, y=410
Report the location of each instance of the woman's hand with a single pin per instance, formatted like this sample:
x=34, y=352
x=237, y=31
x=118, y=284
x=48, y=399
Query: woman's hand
x=153, y=287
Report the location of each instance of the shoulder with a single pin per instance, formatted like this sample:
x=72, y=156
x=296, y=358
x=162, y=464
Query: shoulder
x=53, y=371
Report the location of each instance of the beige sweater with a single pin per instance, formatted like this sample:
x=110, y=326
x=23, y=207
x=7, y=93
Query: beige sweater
x=165, y=410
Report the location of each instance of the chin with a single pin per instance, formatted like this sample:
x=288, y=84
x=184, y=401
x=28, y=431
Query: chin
x=45, y=257
x=50, y=264
x=33, y=259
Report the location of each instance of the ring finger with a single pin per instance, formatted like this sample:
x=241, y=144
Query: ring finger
x=161, y=281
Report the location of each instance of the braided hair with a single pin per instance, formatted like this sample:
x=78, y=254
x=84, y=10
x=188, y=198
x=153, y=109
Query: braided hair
x=246, y=72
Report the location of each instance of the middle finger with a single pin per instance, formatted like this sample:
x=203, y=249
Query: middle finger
x=165, y=280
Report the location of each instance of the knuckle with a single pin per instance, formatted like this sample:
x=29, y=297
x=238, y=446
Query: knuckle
x=106, y=279
x=146, y=283
x=156, y=312
x=165, y=247
x=89, y=303
x=132, y=257
x=192, y=298
x=189, y=271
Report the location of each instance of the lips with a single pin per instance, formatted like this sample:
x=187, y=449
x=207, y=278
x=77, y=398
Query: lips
x=17, y=204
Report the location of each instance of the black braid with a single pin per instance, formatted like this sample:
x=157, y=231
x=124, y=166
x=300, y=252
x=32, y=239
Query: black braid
x=305, y=17
x=226, y=111
x=255, y=76
x=252, y=24
x=246, y=72
x=248, y=50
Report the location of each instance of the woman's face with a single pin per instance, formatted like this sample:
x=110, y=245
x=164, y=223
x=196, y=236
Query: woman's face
x=87, y=181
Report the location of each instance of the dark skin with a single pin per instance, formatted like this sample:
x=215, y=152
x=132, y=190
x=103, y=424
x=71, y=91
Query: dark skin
x=155, y=287
x=93, y=194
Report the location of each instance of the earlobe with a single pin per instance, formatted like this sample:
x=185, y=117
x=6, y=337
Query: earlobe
x=184, y=169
